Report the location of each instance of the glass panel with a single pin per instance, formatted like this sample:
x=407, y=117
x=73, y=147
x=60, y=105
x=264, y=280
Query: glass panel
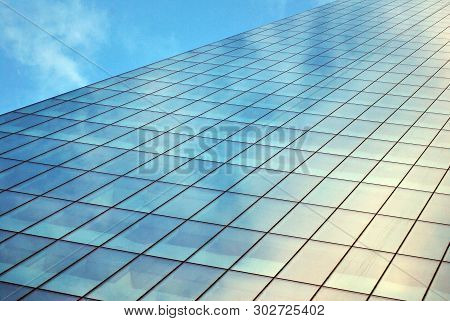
x=225, y=208
x=134, y=280
x=19, y=247
x=151, y=197
x=187, y=282
x=234, y=286
x=81, y=186
x=385, y=233
x=282, y=290
x=89, y=272
x=65, y=221
x=115, y=192
x=303, y=220
x=30, y=213
x=144, y=233
x=188, y=202
x=184, y=241
x=46, y=264
x=269, y=255
x=314, y=262
x=427, y=240
x=103, y=227
x=359, y=271
x=226, y=248
x=343, y=227
x=406, y=278
x=263, y=215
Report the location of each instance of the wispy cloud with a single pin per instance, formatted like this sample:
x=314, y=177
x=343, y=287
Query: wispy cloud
x=77, y=24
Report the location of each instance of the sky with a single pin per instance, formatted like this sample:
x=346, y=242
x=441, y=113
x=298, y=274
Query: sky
x=48, y=47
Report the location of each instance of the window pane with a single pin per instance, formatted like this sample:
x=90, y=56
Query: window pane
x=184, y=241
x=18, y=248
x=45, y=264
x=144, y=233
x=234, y=286
x=226, y=248
x=89, y=272
x=184, y=284
x=134, y=280
x=269, y=255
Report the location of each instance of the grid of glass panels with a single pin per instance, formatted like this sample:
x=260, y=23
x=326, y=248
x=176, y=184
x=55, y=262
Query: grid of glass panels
x=306, y=159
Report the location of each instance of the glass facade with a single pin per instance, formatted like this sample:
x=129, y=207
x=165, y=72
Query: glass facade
x=307, y=159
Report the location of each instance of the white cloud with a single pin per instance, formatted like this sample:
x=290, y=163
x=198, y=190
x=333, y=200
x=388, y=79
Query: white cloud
x=75, y=23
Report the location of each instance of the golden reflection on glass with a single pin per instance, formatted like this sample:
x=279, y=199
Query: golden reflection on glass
x=386, y=173
x=327, y=294
x=359, y=271
x=423, y=178
x=353, y=169
x=343, y=227
x=384, y=233
x=303, y=220
x=405, y=203
x=440, y=288
x=406, y=278
x=367, y=198
x=427, y=240
x=313, y=263
x=236, y=286
x=330, y=192
x=437, y=209
x=404, y=153
x=282, y=290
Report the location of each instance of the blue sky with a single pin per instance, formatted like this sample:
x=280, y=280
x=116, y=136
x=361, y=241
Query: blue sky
x=112, y=37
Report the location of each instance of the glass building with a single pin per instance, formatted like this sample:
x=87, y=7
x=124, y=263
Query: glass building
x=306, y=159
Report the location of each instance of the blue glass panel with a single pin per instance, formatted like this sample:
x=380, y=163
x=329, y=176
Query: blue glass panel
x=12, y=141
x=226, y=248
x=134, y=280
x=5, y=234
x=19, y=247
x=151, y=197
x=22, y=123
x=45, y=264
x=125, y=163
x=61, y=109
x=48, y=127
x=66, y=220
x=225, y=208
x=63, y=153
x=33, y=149
x=11, y=292
x=184, y=284
x=94, y=158
x=115, y=192
x=224, y=177
x=104, y=135
x=46, y=181
x=144, y=233
x=20, y=173
x=96, y=96
x=89, y=272
x=190, y=172
x=112, y=116
x=87, y=112
x=188, y=202
x=184, y=241
x=42, y=295
x=103, y=227
x=10, y=200
x=30, y=213
x=76, y=131
x=81, y=186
